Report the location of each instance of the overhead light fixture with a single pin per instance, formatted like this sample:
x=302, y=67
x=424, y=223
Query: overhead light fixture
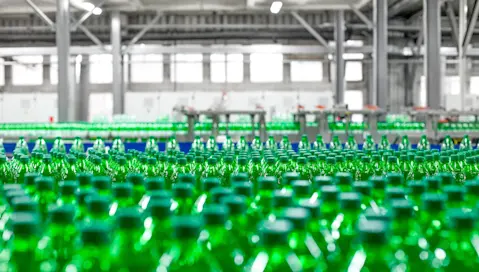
x=276, y=7
x=87, y=6
x=97, y=11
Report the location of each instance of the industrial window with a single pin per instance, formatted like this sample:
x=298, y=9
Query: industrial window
x=452, y=85
x=146, y=68
x=226, y=68
x=101, y=69
x=27, y=70
x=266, y=67
x=306, y=71
x=354, y=100
x=474, y=88
x=2, y=72
x=354, y=66
x=187, y=68
x=54, y=69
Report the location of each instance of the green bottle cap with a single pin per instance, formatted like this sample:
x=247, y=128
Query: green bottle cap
x=419, y=159
x=283, y=159
x=64, y=214
x=228, y=159
x=433, y=202
x=275, y=232
x=218, y=193
x=243, y=188
x=282, y=198
x=395, y=179
x=101, y=183
x=210, y=183
x=392, y=159
x=454, y=192
x=181, y=161
x=373, y=232
x=376, y=158
x=380, y=214
x=96, y=234
x=44, y=184
x=98, y=204
x=152, y=161
x=267, y=183
x=24, y=204
x=160, y=208
x=301, y=188
x=378, y=182
x=329, y=192
x=135, y=179
x=199, y=159
x=160, y=195
x=402, y=208
x=289, y=177
x=235, y=203
x=81, y=156
x=24, y=223
x=183, y=190
x=215, y=214
x=444, y=159
x=472, y=187
x=395, y=193
x=365, y=159
x=187, y=227
x=154, y=183
x=433, y=183
x=30, y=178
x=71, y=160
x=343, y=178
x=186, y=178
x=47, y=158
x=68, y=187
x=298, y=216
x=83, y=194
x=350, y=201
x=446, y=178
x=239, y=177
x=313, y=206
x=84, y=179
x=363, y=187
x=212, y=161
x=122, y=190
x=128, y=218
x=417, y=187
x=322, y=181
x=330, y=160
x=461, y=219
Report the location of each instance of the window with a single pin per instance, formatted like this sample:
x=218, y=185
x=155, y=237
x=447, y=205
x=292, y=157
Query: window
x=474, y=88
x=306, y=71
x=27, y=70
x=54, y=69
x=452, y=85
x=354, y=100
x=266, y=67
x=101, y=69
x=2, y=72
x=227, y=68
x=354, y=71
x=187, y=68
x=146, y=68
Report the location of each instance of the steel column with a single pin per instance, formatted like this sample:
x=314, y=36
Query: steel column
x=46, y=69
x=246, y=68
x=84, y=90
x=380, y=93
x=432, y=57
x=117, y=86
x=64, y=68
x=339, y=57
x=207, y=68
x=166, y=68
x=462, y=57
x=8, y=72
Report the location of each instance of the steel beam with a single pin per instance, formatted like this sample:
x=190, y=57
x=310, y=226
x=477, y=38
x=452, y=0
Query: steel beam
x=380, y=92
x=432, y=58
x=117, y=85
x=143, y=32
x=64, y=67
x=92, y=36
x=311, y=30
x=87, y=15
x=84, y=90
x=471, y=26
x=451, y=15
x=339, y=58
x=362, y=16
x=41, y=14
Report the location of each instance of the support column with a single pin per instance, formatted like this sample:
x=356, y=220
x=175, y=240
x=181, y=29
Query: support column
x=206, y=68
x=47, y=64
x=117, y=86
x=166, y=68
x=380, y=92
x=83, y=94
x=432, y=56
x=286, y=71
x=247, y=68
x=339, y=57
x=8, y=72
x=65, y=111
x=462, y=58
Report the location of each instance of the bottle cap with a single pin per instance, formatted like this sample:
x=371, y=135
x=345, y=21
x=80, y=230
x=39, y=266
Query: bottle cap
x=239, y=177
x=417, y=187
x=122, y=190
x=301, y=188
x=155, y=183
x=135, y=179
x=218, y=193
x=267, y=183
x=395, y=179
x=282, y=198
x=187, y=227
x=82, y=195
x=289, y=177
x=275, y=232
x=183, y=190
x=461, y=219
x=29, y=178
x=84, y=179
x=433, y=202
x=454, y=192
x=380, y=214
x=98, y=204
x=446, y=178
x=343, y=178
x=372, y=231
x=313, y=206
x=362, y=187
x=395, y=193
x=322, y=181
x=97, y=233
x=64, y=214
x=329, y=192
x=24, y=204
x=378, y=182
x=24, y=223
x=160, y=208
x=101, y=183
x=350, y=201
x=298, y=216
x=433, y=183
x=186, y=178
x=68, y=187
x=235, y=203
x=243, y=188
x=402, y=208
x=44, y=184
x=215, y=214
x=160, y=194
x=128, y=218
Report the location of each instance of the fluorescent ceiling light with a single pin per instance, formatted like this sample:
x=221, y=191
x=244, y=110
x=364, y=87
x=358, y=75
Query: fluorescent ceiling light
x=97, y=11
x=276, y=7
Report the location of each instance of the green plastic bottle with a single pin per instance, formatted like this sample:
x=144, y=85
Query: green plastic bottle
x=447, y=144
x=170, y=173
x=152, y=145
x=185, y=253
x=364, y=169
x=271, y=144
x=159, y=225
x=130, y=249
x=329, y=205
x=285, y=144
x=242, y=144
x=94, y=254
x=183, y=196
x=335, y=143
x=369, y=143
x=465, y=143
x=240, y=225
x=419, y=170
x=67, y=193
x=273, y=252
x=59, y=145
x=77, y=145
x=351, y=143
x=211, y=144
x=432, y=218
x=22, y=145
x=346, y=221
x=404, y=144
x=22, y=252
x=384, y=144
x=423, y=143
x=45, y=195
